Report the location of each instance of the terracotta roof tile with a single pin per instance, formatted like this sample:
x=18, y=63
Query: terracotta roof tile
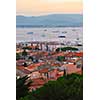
x=20, y=67
x=71, y=68
x=32, y=66
x=37, y=82
x=45, y=70
x=79, y=72
x=80, y=54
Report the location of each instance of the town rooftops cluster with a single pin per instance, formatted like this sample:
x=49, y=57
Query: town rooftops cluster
x=43, y=63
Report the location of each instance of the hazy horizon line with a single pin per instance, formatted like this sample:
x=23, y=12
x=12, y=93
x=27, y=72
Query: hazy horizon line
x=49, y=14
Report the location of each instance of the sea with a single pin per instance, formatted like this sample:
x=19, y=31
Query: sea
x=49, y=34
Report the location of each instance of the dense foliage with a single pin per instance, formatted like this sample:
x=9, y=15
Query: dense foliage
x=67, y=48
x=60, y=58
x=24, y=53
x=22, y=88
x=27, y=48
x=18, y=56
x=68, y=87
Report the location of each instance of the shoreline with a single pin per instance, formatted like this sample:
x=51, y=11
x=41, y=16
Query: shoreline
x=49, y=26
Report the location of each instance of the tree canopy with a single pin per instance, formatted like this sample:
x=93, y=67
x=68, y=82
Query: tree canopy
x=67, y=48
x=17, y=56
x=68, y=87
x=24, y=53
x=27, y=48
x=60, y=58
x=22, y=88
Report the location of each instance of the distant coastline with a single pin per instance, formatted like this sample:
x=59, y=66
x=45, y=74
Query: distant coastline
x=53, y=20
x=31, y=26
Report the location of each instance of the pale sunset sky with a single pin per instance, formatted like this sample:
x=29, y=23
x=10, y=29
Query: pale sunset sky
x=42, y=7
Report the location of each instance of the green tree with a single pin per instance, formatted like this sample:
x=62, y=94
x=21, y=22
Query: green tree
x=68, y=87
x=28, y=97
x=65, y=88
x=60, y=58
x=24, y=53
x=67, y=48
x=64, y=73
x=17, y=56
x=27, y=48
x=58, y=49
x=21, y=87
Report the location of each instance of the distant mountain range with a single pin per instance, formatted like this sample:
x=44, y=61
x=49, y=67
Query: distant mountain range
x=53, y=20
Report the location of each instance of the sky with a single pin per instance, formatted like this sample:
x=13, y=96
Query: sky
x=44, y=7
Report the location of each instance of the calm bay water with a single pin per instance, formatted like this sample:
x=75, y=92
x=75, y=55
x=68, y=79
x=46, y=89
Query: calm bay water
x=71, y=34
